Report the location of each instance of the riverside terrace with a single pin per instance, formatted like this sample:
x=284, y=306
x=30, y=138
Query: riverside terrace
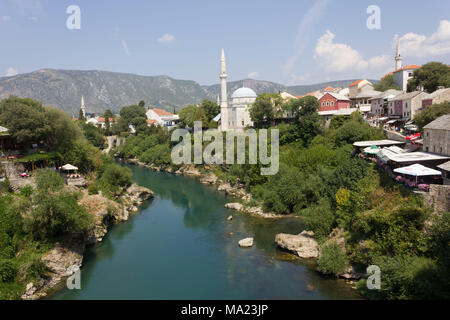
x=392, y=157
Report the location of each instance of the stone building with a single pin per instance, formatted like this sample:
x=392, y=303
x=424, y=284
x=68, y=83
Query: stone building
x=234, y=116
x=436, y=137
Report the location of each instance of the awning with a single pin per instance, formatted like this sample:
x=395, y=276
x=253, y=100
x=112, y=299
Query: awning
x=69, y=167
x=371, y=150
x=391, y=121
x=417, y=170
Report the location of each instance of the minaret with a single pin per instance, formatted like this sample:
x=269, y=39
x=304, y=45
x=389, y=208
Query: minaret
x=398, y=57
x=83, y=107
x=224, y=116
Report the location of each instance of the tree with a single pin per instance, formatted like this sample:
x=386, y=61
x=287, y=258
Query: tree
x=141, y=103
x=81, y=116
x=431, y=113
x=264, y=108
x=193, y=113
x=63, y=131
x=30, y=122
x=132, y=115
x=430, y=76
x=210, y=108
x=386, y=83
x=25, y=119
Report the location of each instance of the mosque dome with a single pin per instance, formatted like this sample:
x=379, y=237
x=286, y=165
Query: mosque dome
x=244, y=93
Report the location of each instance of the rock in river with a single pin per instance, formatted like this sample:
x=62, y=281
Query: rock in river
x=247, y=242
x=303, y=244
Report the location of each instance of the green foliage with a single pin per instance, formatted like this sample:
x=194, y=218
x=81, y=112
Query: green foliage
x=439, y=238
x=84, y=156
x=192, y=113
x=48, y=181
x=57, y=215
x=355, y=129
x=94, y=135
x=263, y=110
x=25, y=119
x=331, y=259
x=386, y=83
x=319, y=218
x=29, y=122
x=430, y=76
x=116, y=177
x=210, y=108
x=157, y=155
x=7, y=271
x=134, y=115
x=412, y=277
x=431, y=113
x=26, y=191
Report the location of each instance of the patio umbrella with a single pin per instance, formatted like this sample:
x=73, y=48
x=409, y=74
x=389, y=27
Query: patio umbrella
x=69, y=167
x=417, y=170
x=371, y=150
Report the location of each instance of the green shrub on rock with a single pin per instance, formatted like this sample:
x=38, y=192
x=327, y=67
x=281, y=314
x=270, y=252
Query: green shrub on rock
x=331, y=259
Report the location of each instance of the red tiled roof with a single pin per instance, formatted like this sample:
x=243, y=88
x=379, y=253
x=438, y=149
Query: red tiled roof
x=149, y=121
x=408, y=67
x=161, y=112
x=355, y=83
x=328, y=89
x=411, y=66
x=298, y=97
x=110, y=120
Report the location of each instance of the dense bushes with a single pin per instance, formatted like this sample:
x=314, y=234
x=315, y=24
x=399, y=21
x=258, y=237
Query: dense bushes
x=7, y=271
x=116, y=177
x=332, y=260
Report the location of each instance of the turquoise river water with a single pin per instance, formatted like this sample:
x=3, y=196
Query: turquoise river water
x=180, y=246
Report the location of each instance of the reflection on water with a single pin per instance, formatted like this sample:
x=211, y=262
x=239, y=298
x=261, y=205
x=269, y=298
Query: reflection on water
x=182, y=247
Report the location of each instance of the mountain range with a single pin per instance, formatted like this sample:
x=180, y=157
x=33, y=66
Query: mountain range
x=111, y=90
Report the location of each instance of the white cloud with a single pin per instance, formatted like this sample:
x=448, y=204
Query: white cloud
x=254, y=74
x=416, y=45
x=125, y=47
x=339, y=57
x=166, y=38
x=11, y=72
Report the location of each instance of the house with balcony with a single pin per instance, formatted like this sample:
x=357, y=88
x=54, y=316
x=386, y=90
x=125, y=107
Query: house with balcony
x=163, y=118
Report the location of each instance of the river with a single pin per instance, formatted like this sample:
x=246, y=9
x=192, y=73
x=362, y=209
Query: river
x=181, y=246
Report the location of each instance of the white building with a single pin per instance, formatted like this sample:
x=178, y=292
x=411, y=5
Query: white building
x=379, y=103
x=161, y=117
x=402, y=74
x=235, y=116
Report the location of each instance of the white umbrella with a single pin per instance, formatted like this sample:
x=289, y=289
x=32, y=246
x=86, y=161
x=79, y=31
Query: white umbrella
x=417, y=170
x=69, y=167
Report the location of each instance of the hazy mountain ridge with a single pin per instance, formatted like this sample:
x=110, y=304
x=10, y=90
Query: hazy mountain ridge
x=111, y=90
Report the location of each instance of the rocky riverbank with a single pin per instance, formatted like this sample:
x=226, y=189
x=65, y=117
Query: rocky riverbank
x=66, y=258
x=209, y=178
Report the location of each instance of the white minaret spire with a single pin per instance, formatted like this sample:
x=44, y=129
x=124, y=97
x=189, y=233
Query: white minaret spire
x=398, y=57
x=224, y=117
x=83, y=107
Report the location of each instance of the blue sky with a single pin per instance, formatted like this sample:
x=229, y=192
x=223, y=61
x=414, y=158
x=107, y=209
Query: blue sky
x=291, y=42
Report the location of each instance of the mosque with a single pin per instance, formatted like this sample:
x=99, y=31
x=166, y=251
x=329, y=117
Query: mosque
x=234, y=115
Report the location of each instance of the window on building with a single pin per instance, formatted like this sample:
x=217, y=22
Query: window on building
x=242, y=123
